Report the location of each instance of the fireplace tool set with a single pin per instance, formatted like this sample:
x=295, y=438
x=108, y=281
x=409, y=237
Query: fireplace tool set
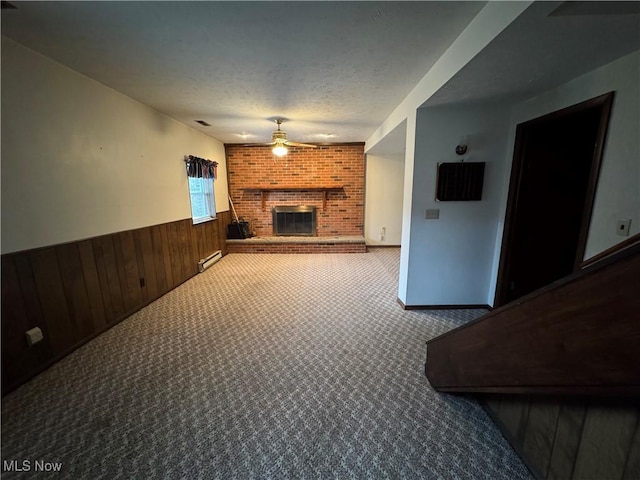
x=238, y=228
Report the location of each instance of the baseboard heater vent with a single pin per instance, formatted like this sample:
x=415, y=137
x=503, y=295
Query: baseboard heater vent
x=210, y=260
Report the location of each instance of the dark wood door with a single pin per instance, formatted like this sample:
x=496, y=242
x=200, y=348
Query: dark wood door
x=551, y=193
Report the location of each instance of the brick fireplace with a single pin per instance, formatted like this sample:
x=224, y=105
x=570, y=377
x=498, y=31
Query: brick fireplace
x=330, y=178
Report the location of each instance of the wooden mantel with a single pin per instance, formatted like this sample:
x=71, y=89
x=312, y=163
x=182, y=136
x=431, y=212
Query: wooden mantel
x=264, y=191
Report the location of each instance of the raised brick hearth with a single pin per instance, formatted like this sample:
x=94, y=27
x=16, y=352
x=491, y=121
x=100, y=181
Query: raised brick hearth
x=330, y=178
x=343, y=244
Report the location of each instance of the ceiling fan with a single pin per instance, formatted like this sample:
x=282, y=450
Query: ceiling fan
x=280, y=142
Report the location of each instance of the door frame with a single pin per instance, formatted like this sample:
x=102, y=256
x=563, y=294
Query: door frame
x=604, y=102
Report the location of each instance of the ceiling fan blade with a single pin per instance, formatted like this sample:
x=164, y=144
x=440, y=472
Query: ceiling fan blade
x=263, y=144
x=296, y=144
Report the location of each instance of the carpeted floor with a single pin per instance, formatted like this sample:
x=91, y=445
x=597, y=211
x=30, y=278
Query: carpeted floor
x=264, y=366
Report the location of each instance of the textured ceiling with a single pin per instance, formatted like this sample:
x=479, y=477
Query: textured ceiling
x=335, y=70
x=548, y=45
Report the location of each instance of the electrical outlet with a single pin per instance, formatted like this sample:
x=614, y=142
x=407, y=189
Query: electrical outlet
x=383, y=232
x=432, y=213
x=623, y=227
x=34, y=336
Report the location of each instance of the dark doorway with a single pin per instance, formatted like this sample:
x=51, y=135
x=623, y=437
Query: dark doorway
x=553, y=180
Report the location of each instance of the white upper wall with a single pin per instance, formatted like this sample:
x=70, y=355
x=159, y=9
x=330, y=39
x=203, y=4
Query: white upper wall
x=454, y=260
x=618, y=190
x=451, y=257
x=80, y=159
x=383, y=199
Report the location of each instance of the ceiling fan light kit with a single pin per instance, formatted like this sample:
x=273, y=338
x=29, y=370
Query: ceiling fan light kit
x=280, y=142
x=280, y=150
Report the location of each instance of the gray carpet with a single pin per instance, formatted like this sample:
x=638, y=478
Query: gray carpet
x=264, y=366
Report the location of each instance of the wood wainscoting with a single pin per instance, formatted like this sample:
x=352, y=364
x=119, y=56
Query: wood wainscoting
x=571, y=437
x=77, y=290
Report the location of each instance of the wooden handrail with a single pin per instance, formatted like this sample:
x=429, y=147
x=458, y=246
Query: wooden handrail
x=579, y=335
x=629, y=242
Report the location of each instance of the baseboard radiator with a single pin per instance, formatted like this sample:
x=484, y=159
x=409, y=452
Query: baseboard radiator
x=209, y=261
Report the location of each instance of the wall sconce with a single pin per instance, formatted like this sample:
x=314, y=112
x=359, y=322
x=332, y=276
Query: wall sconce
x=462, y=146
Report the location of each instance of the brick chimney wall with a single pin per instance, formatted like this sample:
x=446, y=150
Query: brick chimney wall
x=326, y=166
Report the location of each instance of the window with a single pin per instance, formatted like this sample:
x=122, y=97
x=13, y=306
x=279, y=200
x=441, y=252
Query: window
x=201, y=173
x=203, y=202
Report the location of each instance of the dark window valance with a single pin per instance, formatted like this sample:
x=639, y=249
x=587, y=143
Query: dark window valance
x=201, y=167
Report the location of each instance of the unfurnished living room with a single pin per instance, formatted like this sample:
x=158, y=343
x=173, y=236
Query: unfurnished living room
x=313, y=240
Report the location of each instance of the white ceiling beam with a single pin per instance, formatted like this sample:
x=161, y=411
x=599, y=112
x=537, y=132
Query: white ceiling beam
x=487, y=25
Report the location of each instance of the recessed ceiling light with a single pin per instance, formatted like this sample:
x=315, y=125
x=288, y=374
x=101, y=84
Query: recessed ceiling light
x=245, y=135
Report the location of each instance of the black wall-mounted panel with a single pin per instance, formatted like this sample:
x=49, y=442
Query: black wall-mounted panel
x=460, y=181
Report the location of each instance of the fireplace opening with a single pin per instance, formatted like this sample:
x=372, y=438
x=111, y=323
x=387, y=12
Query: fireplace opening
x=298, y=220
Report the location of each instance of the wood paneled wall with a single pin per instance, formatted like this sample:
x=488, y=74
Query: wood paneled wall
x=572, y=438
x=77, y=290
